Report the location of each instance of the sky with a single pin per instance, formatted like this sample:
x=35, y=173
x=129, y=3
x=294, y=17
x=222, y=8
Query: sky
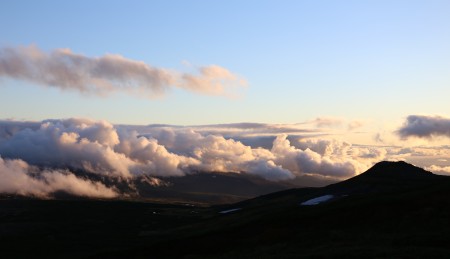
x=301, y=59
x=372, y=74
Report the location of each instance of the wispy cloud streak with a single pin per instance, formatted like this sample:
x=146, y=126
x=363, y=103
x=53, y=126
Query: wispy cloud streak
x=110, y=73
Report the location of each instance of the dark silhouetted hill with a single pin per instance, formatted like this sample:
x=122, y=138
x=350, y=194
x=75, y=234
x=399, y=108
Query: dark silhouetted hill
x=393, y=210
x=395, y=170
x=385, y=176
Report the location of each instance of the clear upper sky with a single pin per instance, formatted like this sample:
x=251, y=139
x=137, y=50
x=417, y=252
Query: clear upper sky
x=370, y=60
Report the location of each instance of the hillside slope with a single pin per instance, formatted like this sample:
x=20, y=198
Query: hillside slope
x=394, y=210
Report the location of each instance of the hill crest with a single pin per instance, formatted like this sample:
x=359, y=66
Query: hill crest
x=397, y=170
x=385, y=176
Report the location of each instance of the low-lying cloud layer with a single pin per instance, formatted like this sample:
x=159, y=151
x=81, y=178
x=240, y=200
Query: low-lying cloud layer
x=103, y=75
x=40, y=158
x=17, y=177
x=422, y=126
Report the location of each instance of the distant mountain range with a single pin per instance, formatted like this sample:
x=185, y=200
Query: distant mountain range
x=393, y=210
x=208, y=188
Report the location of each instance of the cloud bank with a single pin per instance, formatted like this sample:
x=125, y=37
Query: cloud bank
x=425, y=127
x=17, y=177
x=126, y=152
x=442, y=170
x=63, y=69
x=48, y=156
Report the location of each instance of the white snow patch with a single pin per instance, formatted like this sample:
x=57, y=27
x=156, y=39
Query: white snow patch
x=318, y=200
x=229, y=211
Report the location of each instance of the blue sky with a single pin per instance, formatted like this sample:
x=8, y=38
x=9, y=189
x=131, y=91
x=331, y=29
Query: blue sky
x=278, y=89
x=370, y=60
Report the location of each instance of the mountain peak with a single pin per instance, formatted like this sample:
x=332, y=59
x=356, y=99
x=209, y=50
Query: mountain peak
x=396, y=169
x=385, y=176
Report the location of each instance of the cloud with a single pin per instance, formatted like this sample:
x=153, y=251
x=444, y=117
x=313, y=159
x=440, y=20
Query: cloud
x=422, y=126
x=119, y=151
x=93, y=146
x=378, y=138
x=103, y=75
x=17, y=177
x=218, y=154
x=237, y=130
x=321, y=157
x=124, y=153
x=9, y=127
x=443, y=170
x=99, y=147
x=336, y=123
x=355, y=124
x=72, y=143
x=327, y=122
x=148, y=157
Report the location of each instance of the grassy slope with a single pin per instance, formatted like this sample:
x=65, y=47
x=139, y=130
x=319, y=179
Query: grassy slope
x=385, y=217
x=393, y=210
x=411, y=224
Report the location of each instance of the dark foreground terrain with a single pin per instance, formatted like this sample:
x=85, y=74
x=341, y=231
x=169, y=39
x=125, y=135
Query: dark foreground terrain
x=394, y=210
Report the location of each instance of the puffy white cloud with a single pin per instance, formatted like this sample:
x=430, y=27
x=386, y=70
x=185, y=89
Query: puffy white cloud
x=72, y=143
x=99, y=147
x=66, y=70
x=17, y=177
x=318, y=157
x=218, y=154
x=422, y=126
x=151, y=158
x=325, y=147
x=126, y=152
x=9, y=127
x=443, y=170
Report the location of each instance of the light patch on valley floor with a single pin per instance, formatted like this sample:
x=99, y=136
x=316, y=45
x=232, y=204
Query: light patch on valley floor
x=317, y=200
x=229, y=211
